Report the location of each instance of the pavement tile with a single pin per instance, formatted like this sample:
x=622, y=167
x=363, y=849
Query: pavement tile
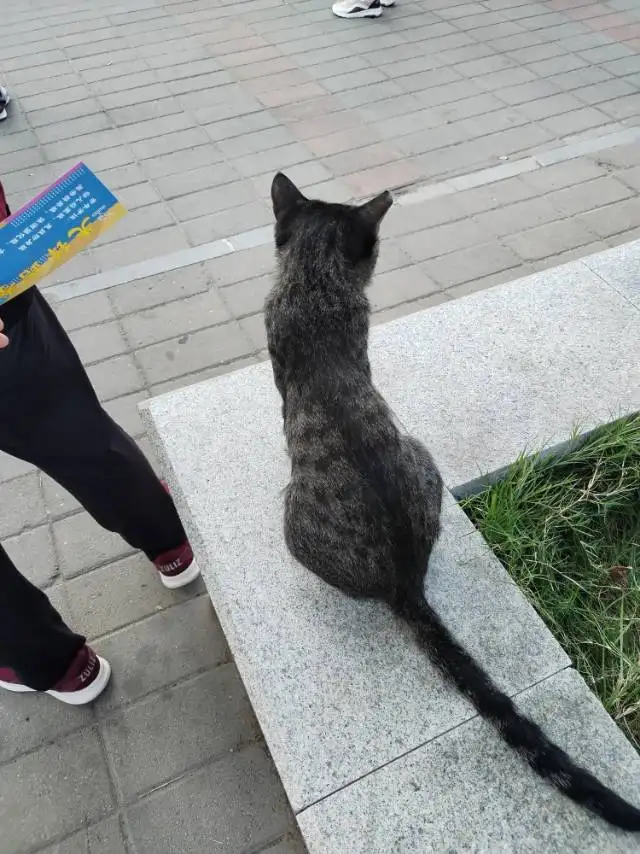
x=43, y=777
x=238, y=800
x=160, y=737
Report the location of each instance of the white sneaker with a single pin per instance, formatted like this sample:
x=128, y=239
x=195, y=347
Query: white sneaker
x=5, y=98
x=387, y=3
x=358, y=8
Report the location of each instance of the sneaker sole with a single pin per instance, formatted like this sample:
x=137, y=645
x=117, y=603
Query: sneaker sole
x=365, y=13
x=71, y=698
x=173, y=582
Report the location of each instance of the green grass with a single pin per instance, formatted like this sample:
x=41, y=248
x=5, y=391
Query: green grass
x=567, y=528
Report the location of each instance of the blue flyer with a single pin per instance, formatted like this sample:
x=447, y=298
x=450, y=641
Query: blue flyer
x=53, y=227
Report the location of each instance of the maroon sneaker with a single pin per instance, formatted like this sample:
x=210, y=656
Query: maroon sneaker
x=86, y=679
x=177, y=567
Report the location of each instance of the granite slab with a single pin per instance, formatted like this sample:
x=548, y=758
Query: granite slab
x=339, y=687
x=512, y=368
x=620, y=268
x=467, y=791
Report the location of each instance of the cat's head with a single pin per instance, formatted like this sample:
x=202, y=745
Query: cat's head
x=326, y=236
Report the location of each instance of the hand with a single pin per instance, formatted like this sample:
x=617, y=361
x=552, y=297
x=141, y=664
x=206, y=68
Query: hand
x=4, y=341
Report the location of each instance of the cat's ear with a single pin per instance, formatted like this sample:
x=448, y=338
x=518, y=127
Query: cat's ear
x=284, y=195
x=373, y=212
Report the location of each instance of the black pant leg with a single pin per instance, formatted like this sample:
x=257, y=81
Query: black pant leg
x=52, y=418
x=34, y=641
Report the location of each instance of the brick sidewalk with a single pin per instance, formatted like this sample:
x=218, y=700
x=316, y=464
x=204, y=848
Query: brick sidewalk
x=186, y=109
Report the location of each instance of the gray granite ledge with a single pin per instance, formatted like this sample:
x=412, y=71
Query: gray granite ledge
x=342, y=693
x=297, y=642
x=467, y=791
x=516, y=367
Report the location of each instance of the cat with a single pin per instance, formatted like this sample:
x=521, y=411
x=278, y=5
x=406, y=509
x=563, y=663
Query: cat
x=362, y=508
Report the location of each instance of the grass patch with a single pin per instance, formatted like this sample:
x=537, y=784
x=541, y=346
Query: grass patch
x=567, y=529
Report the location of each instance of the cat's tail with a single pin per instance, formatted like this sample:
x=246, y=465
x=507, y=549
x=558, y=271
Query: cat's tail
x=546, y=758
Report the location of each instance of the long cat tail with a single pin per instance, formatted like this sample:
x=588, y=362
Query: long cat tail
x=546, y=758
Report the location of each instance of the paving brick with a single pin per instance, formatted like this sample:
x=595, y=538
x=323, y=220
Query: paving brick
x=196, y=180
x=117, y=594
x=604, y=91
x=162, y=649
x=613, y=219
x=405, y=219
x=17, y=141
x=22, y=505
x=565, y=174
x=55, y=98
x=181, y=317
x=65, y=112
x=277, y=158
x=23, y=159
x=124, y=411
x=620, y=157
x=247, y=264
x=443, y=239
x=11, y=467
x=291, y=844
x=214, y=199
x=131, y=250
x=468, y=264
x=174, y=163
x=388, y=176
x=159, y=738
x=573, y=254
x=391, y=257
x=115, y=70
x=548, y=240
x=80, y=127
x=82, y=145
x=33, y=721
x=192, y=353
x=43, y=777
x=398, y=286
x=237, y=127
x=247, y=297
x=518, y=217
x=225, y=223
x=152, y=218
x=95, y=343
x=115, y=377
x=33, y=553
x=106, y=837
x=575, y=121
x=588, y=195
x=254, y=328
x=622, y=108
x=155, y=290
x=123, y=176
x=57, y=500
x=122, y=116
x=82, y=544
x=553, y=105
x=166, y=143
x=238, y=800
x=138, y=196
x=515, y=94
x=20, y=186
x=631, y=178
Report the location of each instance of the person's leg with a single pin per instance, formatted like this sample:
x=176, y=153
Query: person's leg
x=53, y=419
x=38, y=652
x=34, y=641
